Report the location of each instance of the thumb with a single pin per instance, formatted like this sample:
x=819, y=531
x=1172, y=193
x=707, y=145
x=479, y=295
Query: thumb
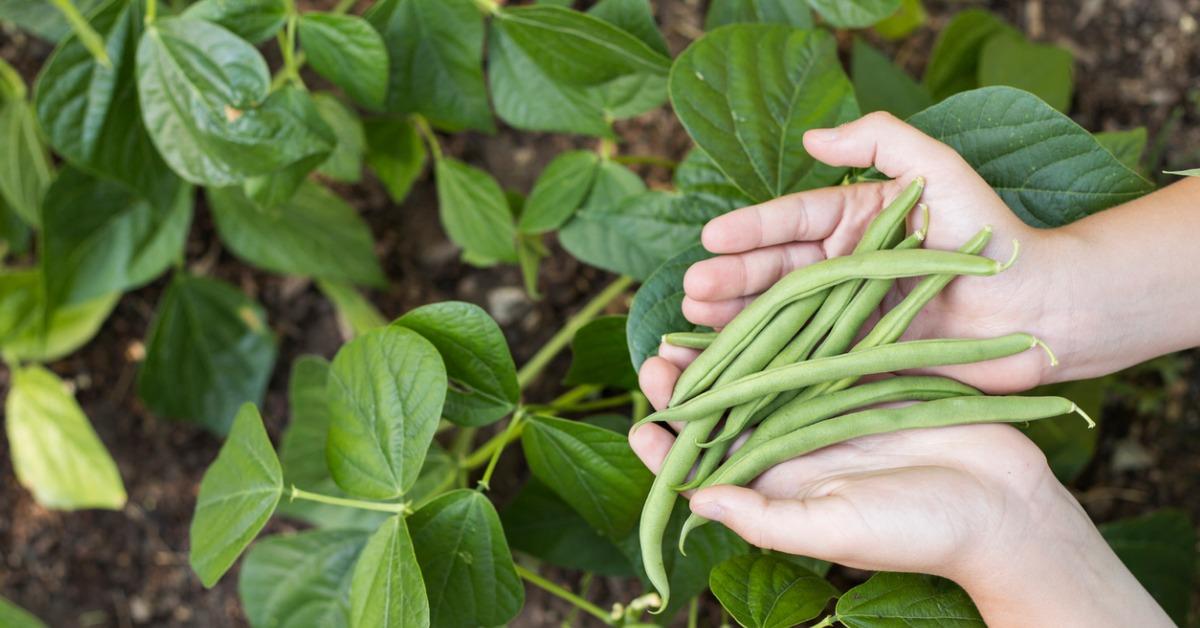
x=793, y=526
x=882, y=140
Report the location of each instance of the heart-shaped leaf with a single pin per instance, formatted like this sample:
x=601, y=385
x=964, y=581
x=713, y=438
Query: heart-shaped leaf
x=314, y=234
x=656, y=308
x=208, y=351
x=300, y=580
x=55, y=452
x=385, y=395
x=765, y=591
x=747, y=93
x=907, y=599
x=346, y=50
x=395, y=152
x=483, y=377
x=387, y=589
x=474, y=211
x=459, y=543
x=1045, y=166
x=238, y=495
x=559, y=191
x=591, y=468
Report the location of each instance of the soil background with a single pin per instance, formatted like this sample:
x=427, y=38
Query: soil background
x=1138, y=64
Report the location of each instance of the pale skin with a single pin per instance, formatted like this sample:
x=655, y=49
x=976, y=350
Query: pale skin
x=978, y=503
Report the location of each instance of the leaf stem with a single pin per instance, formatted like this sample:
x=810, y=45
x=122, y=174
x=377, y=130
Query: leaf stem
x=828, y=621
x=693, y=612
x=151, y=11
x=488, y=7
x=507, y=437
x=403, y=508
x=343, y=7
x=427, y=132
x=458, y=450
x=483, y=455
x=586, y=406
x=647, y=160
x=542, y=358
x=84, y=31
x=563, y=594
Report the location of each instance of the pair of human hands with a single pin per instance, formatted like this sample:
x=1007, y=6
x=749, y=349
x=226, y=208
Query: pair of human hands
x=972, y=503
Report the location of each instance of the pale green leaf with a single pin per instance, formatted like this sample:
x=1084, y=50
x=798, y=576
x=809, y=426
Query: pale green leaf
x=766, y=591
x=1007, y=61
x=953, y=65
x=55, y=452
x=41, y=18
x=356, y=314
x=881, y=86
x=25, y=331
x=25, y=170
x=559, y=191
x=1126, y=146
x=908, y=18
x=474, y=211
x=275, y=188
x=13, y=616
x=1194, y=172
x=395, y=153
x=346, y=50
x=238, y=494
x=907, y=600
x=385, y=396
x=300, y=580
x=387, y=589
x=345, y=163
x=252, y=20
x=854, y=13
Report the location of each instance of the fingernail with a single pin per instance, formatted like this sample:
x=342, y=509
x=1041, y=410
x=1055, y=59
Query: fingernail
x=823, y=135
x=708, y=509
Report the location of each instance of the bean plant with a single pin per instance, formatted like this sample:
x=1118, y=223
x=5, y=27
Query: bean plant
x=393, y=445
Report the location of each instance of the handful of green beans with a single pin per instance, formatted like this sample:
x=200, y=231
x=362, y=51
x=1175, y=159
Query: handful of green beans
x=785, y=370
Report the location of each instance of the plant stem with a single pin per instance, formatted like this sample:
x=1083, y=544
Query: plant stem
x=483, y=455
x=828, y=621
x=458, y=450
x=84, y=31
x=542, y=358
x=693, y=612
x=563, y=594
x=648, y=160
x=401, y=508
x=344, y=6
x=574, y=395
x=596, y=404
x=151, y=11
x=484, y=482
x=488, y=7
x=607, y=148
x=423, y=127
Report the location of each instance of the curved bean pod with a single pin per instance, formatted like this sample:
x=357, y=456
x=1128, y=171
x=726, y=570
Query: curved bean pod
x=690, y=339
x=940, y=413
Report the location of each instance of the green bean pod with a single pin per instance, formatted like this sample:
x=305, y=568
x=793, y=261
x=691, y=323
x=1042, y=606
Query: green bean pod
x=690, y=339
x=885, y=359
x=939, y=413
x=740, y=332
x=842, y=333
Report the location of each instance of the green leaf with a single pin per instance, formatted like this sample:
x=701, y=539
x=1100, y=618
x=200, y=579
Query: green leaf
x=601, y=355
x=350, y=53
x=474, y=211
x=387, y=589
x=14, y=233
x=577, y=48
x=656, y=306
x=42, y=19
x=537, y=522
x=1126, y=146
x=25, y=170
x=590, y=468
x=55, y=452
x=26, y=333
x=747, y=93
x=356, y=314
x=204, y=95
x=435, y=53
x=395, y=153
x=13, y=616
x=277, y=187
x=559, y=191
x=1194, y=172
x=385, y=396
x=787, y=12
x=1069, y=444
x=90, y=113
x=1007, y=61
x=460, y=546
x=252, y=20
x=953, y=65
x=238, y=494
x=765, y=591
x=635, y=17
x=906, y=600
x=530, y=253
x=314, y=234
x=481, y=372
x=345, y=163
x=854, y=13
x=208, y=351
x=99, y=238
x=1045, y=166
x=700, y=179
x=908, y=18
x=1160, y=549
x=300, y=580
x=881, y=86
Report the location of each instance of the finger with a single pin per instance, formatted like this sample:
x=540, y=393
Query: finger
x=651, y=444
x=713, y=313
x=882, y=140
x=681, y=357
x=808, y=216
x=732, y=276
x=657, y=379
x=811, y=527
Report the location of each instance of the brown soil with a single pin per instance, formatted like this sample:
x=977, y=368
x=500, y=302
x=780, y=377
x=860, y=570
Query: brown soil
x=1139, y=64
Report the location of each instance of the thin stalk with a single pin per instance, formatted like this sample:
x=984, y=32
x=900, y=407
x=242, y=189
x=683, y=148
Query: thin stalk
x=585, y=582
x=404, y=508
x=427, y=132
x=488, y=7
x=574, y=395
x=542, y=358
x=596, y=404
x=458, y=450
x=693, y=612
x=151, y=11
x=646, y=160
x=513, y=425
x=828, y=621
x=565, y=595
x=344, y=6
x=607, y=148
x=481, y=456
x=84, y=31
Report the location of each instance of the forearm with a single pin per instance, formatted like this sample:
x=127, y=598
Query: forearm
x=1128, y=288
